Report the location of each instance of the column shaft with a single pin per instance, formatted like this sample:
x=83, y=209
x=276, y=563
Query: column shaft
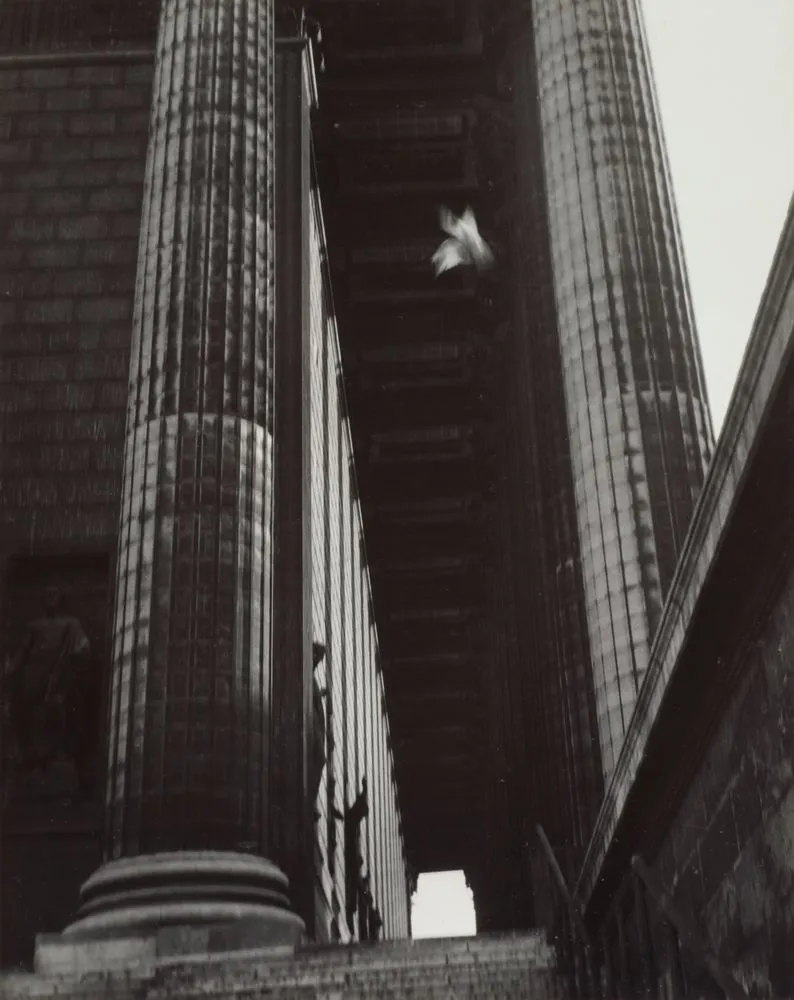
x=638, y=419
x=192, y=672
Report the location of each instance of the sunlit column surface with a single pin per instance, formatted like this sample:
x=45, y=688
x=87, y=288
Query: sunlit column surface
x=638, y=419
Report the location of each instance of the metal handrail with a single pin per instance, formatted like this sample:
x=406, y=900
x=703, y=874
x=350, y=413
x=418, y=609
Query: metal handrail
x=570, y=902
x=577, y=919
x=687, y=932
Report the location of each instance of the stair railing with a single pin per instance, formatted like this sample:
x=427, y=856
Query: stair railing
x=591, y=967
x=629, y=939
x=582, y=961
x=687, y=932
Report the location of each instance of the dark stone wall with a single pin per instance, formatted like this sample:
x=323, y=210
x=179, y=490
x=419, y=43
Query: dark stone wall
x=42, y=869
x=729, y=856
x=72, y=154
x=711, y=809
x=71, y=174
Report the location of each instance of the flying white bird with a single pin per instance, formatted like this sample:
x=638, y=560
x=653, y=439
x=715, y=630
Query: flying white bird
x=464, y=246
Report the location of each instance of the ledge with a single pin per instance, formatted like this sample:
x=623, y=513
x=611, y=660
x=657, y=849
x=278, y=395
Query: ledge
x=121, y=56
x=87, y=57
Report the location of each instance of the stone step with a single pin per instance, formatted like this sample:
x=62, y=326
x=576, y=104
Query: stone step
x=242, y=978
x=397, y=989
x=540, y=986
x=528, y=991
x=269, y=971
x=547, y=986
x=246, y=987
x=531, y=949
x=484, y=944
x=245, y=971
x=403, y=980
x=351, y=960
x=503, y=967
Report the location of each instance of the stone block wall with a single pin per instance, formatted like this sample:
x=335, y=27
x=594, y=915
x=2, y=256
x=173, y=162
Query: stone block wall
x=711, y=808
x=725, y=850
x=704, y=789
x=729, y=856
x=43, y=867
x=71, y=177
x=72, y=152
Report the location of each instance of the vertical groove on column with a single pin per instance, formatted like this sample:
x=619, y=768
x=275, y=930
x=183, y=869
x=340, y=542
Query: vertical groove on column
x=192, y=633
x=637, y=412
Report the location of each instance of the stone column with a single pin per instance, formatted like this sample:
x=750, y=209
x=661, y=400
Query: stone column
x=637, y=414
x=188, y=825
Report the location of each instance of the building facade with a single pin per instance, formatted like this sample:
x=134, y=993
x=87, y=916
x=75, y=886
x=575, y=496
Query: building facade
x=76, y=223
x=370, y=562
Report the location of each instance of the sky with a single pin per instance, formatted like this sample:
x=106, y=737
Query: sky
x=725, y=85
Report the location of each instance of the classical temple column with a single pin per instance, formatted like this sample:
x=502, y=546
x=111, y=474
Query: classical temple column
x=638, y=419
x=188, y=823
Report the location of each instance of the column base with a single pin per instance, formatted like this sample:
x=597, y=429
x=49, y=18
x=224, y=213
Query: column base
x=136, y=910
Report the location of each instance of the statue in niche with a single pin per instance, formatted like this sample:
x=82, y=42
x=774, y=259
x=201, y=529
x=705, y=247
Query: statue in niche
x=318, y=754
x=354, y=861
x=49, y=697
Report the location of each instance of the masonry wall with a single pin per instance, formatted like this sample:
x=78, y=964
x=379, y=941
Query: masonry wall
x=358, y=740
x=712, y=809
x=71, y=173
x=72, y=154
x=729, y=857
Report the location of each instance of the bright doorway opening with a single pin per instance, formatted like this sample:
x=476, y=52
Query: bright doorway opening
x=442, y=906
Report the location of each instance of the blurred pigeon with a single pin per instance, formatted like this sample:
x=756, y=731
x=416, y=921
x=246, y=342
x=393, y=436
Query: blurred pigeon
x=464, y=246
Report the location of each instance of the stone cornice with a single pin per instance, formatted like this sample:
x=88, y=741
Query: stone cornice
x=767, y=355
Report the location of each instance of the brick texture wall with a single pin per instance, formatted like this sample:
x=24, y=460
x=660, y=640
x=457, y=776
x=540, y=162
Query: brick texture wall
x=713, y=809
x=729, y=857
x=72, y=153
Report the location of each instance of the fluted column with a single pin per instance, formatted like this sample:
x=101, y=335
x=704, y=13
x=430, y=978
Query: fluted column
x=189, y=727
x=638, y=419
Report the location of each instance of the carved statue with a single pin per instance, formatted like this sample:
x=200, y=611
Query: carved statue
x=49, y=692
x=354, y=861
